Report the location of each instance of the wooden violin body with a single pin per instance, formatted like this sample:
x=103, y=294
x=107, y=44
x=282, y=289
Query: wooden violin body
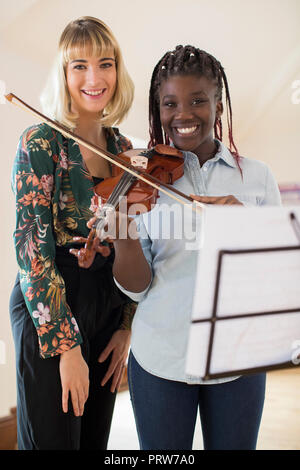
x=162, y=162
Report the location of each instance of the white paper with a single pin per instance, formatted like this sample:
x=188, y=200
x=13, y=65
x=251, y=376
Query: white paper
x=250, y=283
x=271, y=289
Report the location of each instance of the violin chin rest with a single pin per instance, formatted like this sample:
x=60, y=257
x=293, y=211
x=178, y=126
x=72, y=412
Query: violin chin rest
x=167, y=150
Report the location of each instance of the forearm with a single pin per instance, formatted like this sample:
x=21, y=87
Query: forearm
x=131, y=268
x=128, y=315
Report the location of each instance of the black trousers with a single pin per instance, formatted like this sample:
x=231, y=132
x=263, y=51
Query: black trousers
x=97, y=306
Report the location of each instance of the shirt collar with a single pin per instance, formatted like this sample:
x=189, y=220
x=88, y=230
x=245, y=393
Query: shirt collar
x=224, y=154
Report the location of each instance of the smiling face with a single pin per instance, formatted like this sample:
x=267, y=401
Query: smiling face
x=91, y=82
x=188, y=110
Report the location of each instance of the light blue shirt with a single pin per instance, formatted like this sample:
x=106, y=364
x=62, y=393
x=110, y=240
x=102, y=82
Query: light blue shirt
x=161, y=324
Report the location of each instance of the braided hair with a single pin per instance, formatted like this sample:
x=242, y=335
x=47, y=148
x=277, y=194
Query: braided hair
x=188, y=60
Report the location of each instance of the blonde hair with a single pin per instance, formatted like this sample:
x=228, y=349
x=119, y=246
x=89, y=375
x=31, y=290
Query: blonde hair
x=93, y=36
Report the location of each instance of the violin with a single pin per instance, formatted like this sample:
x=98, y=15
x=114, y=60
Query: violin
x=164, y=163
x=137, y=174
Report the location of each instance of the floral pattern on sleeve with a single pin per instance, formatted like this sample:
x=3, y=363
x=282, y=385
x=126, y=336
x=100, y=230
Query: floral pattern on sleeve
x=37, y=165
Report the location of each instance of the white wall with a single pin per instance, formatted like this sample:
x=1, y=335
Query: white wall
x=256, y=40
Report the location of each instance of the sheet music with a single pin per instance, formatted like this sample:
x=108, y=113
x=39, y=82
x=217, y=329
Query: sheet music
x=272, y=289
x=250, y=283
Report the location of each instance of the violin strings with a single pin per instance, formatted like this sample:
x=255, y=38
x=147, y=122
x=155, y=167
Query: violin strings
x=120, y=189
x=124, y=186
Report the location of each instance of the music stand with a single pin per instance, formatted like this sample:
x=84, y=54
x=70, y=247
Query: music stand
x=215, y=323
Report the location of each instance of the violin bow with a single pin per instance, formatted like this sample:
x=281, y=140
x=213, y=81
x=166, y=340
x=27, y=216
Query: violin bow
x=114, y=159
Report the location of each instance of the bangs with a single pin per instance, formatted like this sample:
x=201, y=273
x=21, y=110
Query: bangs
x=86, y=43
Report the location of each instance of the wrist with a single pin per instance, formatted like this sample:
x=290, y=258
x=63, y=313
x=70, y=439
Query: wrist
x=71, y=353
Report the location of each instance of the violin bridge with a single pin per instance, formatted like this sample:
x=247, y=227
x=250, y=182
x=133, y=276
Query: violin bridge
x=139, y=161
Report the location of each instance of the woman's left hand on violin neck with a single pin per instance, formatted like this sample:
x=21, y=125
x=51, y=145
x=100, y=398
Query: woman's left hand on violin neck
x=220, y=200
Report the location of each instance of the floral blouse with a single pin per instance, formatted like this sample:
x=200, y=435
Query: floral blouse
x=54, y=193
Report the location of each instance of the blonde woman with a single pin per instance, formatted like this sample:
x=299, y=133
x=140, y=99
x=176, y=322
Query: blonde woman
x=71, y=326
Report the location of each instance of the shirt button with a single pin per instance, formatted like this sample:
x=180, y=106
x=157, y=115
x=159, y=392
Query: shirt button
x=205, y=168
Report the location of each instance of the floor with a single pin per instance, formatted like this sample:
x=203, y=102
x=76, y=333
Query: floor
x=280, y=427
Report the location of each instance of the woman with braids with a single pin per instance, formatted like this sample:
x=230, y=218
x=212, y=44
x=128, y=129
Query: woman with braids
x=71, y=326
x=158, y=271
